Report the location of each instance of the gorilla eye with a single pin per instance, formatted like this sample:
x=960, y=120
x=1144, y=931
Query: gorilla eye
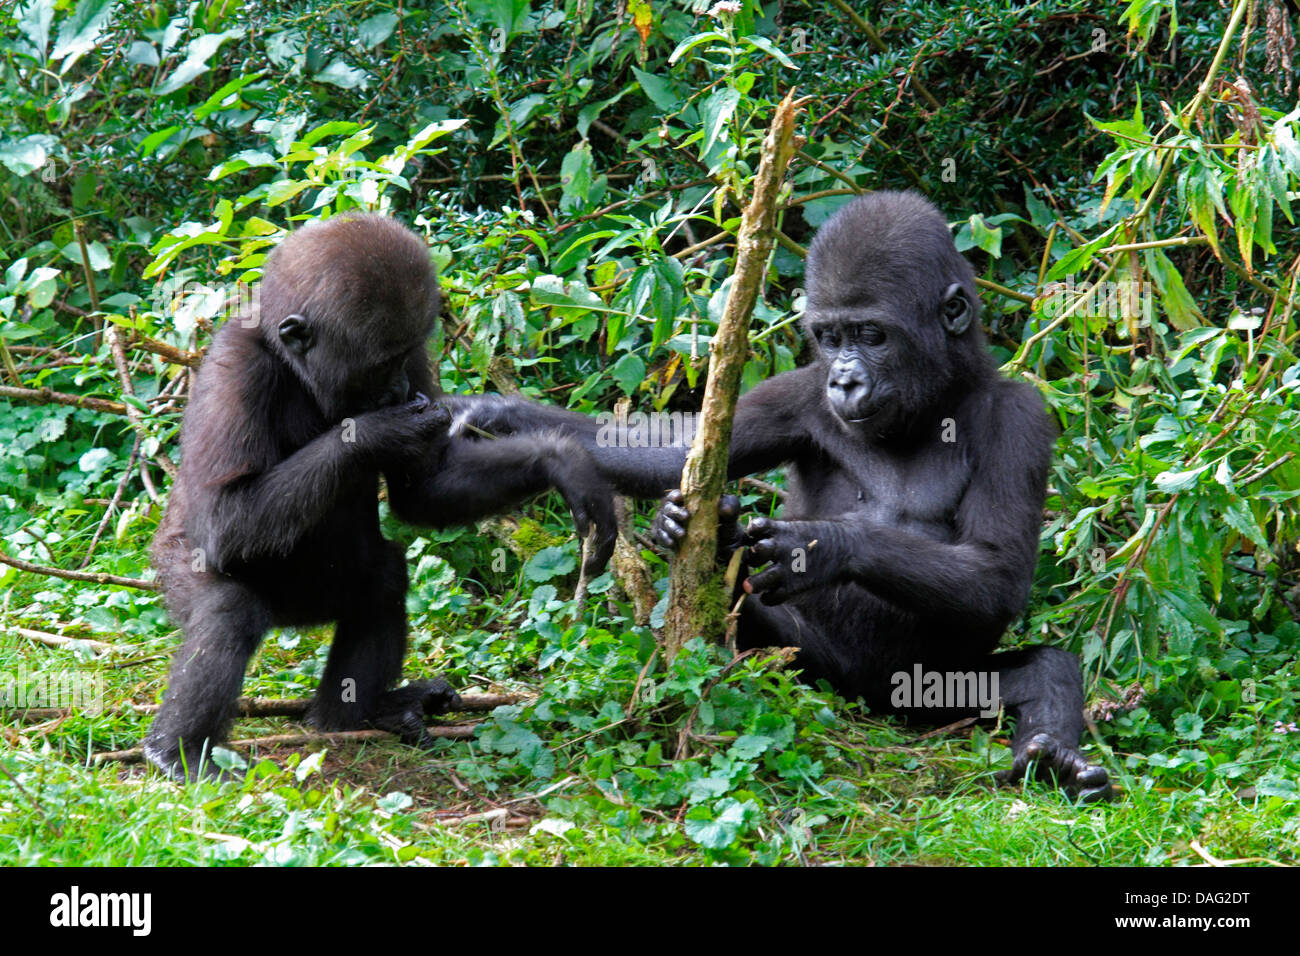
x=871, y=335
x=829, y=337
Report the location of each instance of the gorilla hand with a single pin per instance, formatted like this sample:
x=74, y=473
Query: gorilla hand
x=803, y=556
x=572, y=473
x=399, y=434
x=669, y=525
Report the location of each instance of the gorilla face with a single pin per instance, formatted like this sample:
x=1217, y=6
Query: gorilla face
x=891, y=307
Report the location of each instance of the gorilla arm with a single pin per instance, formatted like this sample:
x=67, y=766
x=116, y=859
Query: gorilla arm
x=768, y=430
x=461, y=480
x=259, y=505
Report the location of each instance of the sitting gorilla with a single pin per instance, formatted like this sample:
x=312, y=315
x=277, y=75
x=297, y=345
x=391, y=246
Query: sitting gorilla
x=916, y=483
x=298, y=409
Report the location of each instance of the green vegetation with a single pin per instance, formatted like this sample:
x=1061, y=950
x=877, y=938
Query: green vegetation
x=578, y=169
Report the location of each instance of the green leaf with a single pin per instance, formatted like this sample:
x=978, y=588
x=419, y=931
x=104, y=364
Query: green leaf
x=1189, y=726
x=575, y=177
x=34, y=24
x=549, y=563
x=629, y=372
x=195, y=64
x=716, y=112
x=26, y=155
x=692, y=42
x=339, y=74
x=659, y=90
x=375, y=30
x=79, y=33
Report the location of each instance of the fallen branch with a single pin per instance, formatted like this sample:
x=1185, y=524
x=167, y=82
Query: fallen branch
x=263, y=707
x=91, y=576
x=449, y=731
x=61, y=640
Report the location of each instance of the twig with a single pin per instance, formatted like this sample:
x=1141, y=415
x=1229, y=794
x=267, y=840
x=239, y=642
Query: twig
x=62, y=640
x=128, y=389
x=764, y=487
x=114, y=502
x=91, y=576
x=451, y=731
x=47, y=396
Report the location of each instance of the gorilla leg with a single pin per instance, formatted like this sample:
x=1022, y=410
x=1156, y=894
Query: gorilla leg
x=1043, y=687
x=784, y=625
x=224, y=623
x=365, y=659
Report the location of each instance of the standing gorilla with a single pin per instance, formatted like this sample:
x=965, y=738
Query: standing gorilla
x=917, y=478
x=273, y=521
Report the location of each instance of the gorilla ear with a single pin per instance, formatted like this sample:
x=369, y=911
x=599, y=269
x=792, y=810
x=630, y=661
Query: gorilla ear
x=296, y=333
x=955, y=312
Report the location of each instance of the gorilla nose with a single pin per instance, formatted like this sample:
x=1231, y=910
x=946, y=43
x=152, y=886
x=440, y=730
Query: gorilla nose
x=849, y=399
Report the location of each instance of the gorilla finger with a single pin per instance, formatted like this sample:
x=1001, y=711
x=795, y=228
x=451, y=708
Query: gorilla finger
x=764, y=549
x=677, y=514
x=670, y=528
x=728, y=506
x=419, y=403
x=675, y=497
x=767, y=580
x=602, y=551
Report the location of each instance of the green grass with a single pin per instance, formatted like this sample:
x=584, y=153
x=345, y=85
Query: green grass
x=712, y=762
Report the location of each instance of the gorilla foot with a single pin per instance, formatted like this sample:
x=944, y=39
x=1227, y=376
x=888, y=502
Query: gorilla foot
x=1054, y=760
x=402, y=711
x=186, y=767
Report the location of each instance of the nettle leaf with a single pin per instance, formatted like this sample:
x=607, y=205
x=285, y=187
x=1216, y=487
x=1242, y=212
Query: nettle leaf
x=549, y=563
x=1189, y=726
x=717, y=111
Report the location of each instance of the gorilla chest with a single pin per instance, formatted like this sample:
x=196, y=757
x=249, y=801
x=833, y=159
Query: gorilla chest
x=918, y=490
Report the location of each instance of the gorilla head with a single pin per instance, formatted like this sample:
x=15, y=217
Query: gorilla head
x=347, y=304
x=892, y=311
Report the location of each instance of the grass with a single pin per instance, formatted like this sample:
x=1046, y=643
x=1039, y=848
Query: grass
x=771, y=771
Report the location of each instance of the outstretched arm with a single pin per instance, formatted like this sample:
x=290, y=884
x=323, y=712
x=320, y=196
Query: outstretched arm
x=643, y=458
x=461, y=480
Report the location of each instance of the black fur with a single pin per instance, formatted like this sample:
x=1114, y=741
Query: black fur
x=297, y=410
x=916, y=483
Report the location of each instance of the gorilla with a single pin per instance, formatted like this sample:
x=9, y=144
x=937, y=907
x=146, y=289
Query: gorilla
x=300, y=405
x=916, y=480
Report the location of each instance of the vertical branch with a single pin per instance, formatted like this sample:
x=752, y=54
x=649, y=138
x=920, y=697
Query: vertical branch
x=692, y=607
